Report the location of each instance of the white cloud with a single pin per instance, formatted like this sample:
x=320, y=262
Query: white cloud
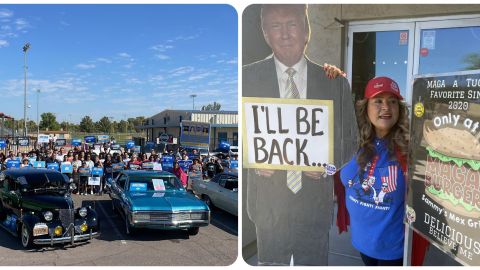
x=199, y=76
x=125, y=55
x=157, y=78
x=104, y=60
x=5, y=13
x=21, y=24
x=133, y=81
x=233, y=61
x=85, y=66
x=161, y=47
x=128, y=65
x=181, y=71
x=162, y=56
x=3, y=43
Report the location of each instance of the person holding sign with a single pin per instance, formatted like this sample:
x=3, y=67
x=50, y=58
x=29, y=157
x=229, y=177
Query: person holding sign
x=374, y=179
x=292, y=209
x=180, y=174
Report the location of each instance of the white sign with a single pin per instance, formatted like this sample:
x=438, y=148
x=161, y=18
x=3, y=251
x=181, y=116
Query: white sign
x=158, y=185
x=428, y=39
x=42, y=138
x=157, y=166
x=288, y=134
x=94, y=181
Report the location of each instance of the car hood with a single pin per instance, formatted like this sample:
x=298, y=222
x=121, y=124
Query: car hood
x=165, y=201
x=46, y=201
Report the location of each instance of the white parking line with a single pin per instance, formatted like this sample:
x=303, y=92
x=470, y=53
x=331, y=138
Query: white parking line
x=111, y=223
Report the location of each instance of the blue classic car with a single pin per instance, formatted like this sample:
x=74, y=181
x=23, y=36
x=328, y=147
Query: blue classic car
x=156, y=200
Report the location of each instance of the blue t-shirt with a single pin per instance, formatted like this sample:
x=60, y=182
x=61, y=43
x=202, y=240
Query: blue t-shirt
x=376, y=205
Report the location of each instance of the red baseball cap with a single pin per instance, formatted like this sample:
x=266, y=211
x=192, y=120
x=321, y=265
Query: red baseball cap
x=380, y=85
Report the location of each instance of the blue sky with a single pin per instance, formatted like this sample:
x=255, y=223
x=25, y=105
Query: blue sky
x=117, y=60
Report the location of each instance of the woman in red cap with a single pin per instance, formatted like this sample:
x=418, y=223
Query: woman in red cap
x=374, y=179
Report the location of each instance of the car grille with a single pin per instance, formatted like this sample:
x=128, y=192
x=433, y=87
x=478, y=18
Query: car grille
x=181, y=216
x=66, y=217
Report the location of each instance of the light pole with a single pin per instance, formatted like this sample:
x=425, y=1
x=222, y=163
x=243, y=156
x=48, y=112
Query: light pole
x=193, y=96
x=25, y=49
x=38, y=122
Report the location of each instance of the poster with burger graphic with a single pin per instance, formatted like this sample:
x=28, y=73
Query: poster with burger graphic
x=443, y=201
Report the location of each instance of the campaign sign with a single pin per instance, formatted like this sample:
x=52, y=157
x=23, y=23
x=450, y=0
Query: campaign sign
x=84, y=171
x=3, y=143
x=118, y=167
x=185, y=164
x=76, y=142
x=12, y=164
x=23, y=141
x=103, y=138
x=53, y=166
x=150, y=144
x=157, y=166
x=130, y=144
x=61, y=142
x=94, y=181
x=134, y=167
x=233, y=164
x=136, y=149
x=147, y=165
x=31, y=160
x=138, y=187
x=287, y=134
x=43, y=138
x=224, y=146
x=39, y=164
x=89, y=139
x=443, y=202
x=66, y=167
x=167, y=163
x=97, y=171
x=115, y=146
x=194, y=133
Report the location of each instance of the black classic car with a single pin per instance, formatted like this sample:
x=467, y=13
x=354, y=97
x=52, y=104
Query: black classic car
x=35, y=204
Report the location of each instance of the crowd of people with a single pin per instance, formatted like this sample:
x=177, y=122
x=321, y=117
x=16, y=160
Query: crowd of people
x=83, y=159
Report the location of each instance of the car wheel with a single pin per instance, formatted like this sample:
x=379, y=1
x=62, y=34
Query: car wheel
x=193, y=231
x=26, y=236
x=207, y=200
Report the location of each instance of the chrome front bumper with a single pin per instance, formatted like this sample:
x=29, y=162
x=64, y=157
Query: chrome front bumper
x=170, y=225
x=67, y=239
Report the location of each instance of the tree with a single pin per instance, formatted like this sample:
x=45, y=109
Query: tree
x=123, y=126
x=473, y=60
x=49, y=122
x=137, y=121
x=87, y=125
x=31, y=126
x=212, y=107
x=104, y=124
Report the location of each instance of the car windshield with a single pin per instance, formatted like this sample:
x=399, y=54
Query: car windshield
x=47, y=181
x=154, y=183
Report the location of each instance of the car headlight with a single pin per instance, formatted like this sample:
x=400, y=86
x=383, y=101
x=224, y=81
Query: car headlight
x=196, y=216
x=72, y=186
x=48, y=216
x=82, y=212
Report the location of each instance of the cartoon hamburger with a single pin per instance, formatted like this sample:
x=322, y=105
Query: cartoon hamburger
x=452, y=170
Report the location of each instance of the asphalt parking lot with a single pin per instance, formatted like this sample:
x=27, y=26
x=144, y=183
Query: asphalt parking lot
x=215, y=244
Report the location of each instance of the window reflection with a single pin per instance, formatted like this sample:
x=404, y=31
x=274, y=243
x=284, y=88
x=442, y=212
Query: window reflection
x=449, y=50
x=379, y=54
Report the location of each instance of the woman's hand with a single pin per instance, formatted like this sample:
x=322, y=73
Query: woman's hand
x=333, y=71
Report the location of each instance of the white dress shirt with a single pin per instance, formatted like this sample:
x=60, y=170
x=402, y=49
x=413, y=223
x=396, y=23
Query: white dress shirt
x=300, y=77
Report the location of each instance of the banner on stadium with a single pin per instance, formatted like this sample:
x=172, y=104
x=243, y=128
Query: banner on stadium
x=195, y=134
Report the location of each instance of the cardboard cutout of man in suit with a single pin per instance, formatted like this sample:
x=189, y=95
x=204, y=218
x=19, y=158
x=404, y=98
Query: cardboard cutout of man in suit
x=287, y=223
